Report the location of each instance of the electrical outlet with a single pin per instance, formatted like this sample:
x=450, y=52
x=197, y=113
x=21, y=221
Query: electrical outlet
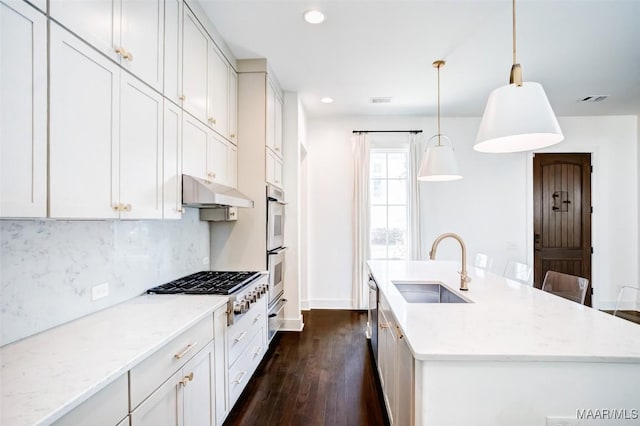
x=562, y=421
x=205, y=260
x=100, y=291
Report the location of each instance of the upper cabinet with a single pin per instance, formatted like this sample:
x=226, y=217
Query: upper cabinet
x=131, y=32
x=233, y=106
x=23, y=111
x=195, y=45
x=218, y=96
x=173, y=20
x=105, y=137
x=274, y=120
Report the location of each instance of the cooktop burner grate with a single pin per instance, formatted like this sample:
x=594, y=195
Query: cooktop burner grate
x=208, y=282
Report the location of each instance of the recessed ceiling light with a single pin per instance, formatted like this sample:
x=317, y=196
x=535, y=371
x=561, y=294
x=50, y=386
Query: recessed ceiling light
x=326, y=100
x=314, y=16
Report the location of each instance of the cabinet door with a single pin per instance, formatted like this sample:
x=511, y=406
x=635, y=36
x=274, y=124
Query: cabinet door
x=172, y=162
x=278, y=127
x=270, y=167
x=405, y=400
x=390, y=380
x=232, y=166
x=23, y=111
x=197, y=391
x=194, y=67
x=173, y=50
x=140, y=150
x=218, y=96
x=163, y=407
x=217, y=159
x=83, y=156
x=142, y=32
x=97, y=22
x=271, y=117
x=233, y=106
x=194, y=147
x=219, y=378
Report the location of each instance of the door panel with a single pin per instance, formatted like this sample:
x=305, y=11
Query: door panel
x=562, y=216
x=194, y=67
x=194, y=147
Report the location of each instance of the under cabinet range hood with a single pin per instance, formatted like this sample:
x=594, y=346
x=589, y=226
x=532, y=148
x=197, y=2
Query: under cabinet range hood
x=202, y=193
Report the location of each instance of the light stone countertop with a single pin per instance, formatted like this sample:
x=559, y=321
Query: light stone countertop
x=506, y=321
x=46, y=375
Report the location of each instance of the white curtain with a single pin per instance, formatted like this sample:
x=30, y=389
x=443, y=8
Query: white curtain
x=359, y=291
x=416, y=152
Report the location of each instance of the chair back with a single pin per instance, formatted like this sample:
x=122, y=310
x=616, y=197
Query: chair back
x=564, y=285
x=483, y=261
x=623, y=289
x=518, y=272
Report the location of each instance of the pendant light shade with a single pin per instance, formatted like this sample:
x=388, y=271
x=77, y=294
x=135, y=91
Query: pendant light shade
x=439, y=162
x=518, y=116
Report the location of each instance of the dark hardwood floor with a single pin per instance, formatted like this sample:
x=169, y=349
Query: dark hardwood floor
x=321, y=376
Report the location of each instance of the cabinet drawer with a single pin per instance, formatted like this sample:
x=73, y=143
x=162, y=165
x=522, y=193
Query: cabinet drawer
x=153, y=371
x=241, y=372
x=107, y=407
x=240, y=333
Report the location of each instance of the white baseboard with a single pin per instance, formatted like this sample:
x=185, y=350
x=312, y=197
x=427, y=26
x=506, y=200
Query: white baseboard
x=304, y=305
x=292, y=324
x=330, y=304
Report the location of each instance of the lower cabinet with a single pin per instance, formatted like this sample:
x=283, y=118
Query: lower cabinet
x=395, y=367
x=186, y=398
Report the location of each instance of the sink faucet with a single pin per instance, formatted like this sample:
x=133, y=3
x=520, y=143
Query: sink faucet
x=464, y=278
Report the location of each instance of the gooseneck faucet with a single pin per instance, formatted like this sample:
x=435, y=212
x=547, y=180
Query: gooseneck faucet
x=464, y=278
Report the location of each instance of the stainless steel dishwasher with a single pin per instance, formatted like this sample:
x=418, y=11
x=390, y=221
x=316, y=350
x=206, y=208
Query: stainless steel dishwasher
x=373, y=316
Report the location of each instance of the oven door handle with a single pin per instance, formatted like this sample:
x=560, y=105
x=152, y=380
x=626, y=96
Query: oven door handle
x=275, y=200
x=276, y=251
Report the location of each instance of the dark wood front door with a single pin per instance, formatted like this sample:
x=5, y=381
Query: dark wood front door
x=562, y=216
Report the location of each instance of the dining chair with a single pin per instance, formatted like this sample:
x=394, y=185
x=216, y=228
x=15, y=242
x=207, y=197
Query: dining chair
x=517, y=271
x=567, y=286
x=483, y=261
x=628, y=289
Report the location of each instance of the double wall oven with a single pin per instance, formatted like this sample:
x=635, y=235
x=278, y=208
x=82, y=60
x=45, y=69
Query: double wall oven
x=275, y=257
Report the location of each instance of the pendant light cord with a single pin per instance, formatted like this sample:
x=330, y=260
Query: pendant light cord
x=513, y=17
x=439, y=105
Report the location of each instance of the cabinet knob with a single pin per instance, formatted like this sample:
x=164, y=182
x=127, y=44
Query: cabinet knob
x=232, y=135
x=182, y=97
x=120, y=51
x=128, y=56
x=212, y=120
x=127, y=207
x=116, y=207
x=181, y=210
x=186, y=379
x=277, y=149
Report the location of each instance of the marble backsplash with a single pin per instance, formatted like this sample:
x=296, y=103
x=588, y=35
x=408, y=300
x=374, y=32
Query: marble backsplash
x=48, y=267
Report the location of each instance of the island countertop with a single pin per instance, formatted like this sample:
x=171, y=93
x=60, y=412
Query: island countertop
x=506, y=320
x=46, y=375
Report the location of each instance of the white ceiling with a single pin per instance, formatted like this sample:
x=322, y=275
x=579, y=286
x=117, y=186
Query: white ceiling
x=370, y=48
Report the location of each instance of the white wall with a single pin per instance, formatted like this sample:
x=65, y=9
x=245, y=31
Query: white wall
x=48, y=267
x=490, y=207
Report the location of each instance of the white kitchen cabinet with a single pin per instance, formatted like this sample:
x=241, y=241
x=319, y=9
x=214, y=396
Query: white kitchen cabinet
x=271, y=116
x=194, y=147
x=106, y=408
x=84, y=125
x=195, y=45
x=141, y=132
x=218, y=93
x=232, y=166
x=130, y=32
x=172, y=166
x=23, y=111
x=217, y=162
x=395, y=367
x=219, y=378
x=233, y=106
x=105, y=137
x=173, y=20
x=277, y=125
x=274, y=169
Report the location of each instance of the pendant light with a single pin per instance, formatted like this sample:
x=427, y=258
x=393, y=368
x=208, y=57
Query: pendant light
x=439, y=163
x=518, y=116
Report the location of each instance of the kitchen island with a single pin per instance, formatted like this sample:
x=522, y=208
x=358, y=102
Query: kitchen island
x=512, y=355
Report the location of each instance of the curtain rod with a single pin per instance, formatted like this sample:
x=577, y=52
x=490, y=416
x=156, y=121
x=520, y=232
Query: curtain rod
x=387, y=131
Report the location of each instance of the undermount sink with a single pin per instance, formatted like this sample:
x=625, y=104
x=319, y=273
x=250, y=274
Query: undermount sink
x=428, y=293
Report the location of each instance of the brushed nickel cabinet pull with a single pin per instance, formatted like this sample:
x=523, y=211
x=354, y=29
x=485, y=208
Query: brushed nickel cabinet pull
x=186, y=350
x=240, y=377
x=240, y=337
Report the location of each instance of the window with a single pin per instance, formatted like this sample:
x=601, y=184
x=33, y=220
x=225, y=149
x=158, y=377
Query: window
x=388, y=200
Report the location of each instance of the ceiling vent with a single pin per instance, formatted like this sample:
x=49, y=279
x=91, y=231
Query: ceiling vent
x=595, y=98
x=381, y=100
